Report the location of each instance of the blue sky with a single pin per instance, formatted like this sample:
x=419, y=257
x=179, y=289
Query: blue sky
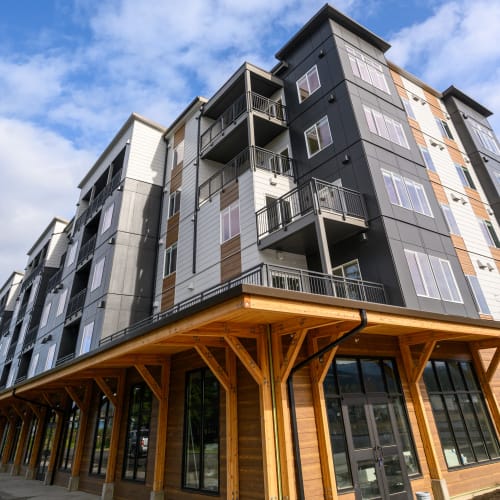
x=71, y=72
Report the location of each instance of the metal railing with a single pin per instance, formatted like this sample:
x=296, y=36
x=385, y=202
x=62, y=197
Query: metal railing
x=10, y=352
x=65, y=359
x=300, y=280
x=30, y=339
x=31, y=275
x=315, y=196
x=76, y=303
x=86, y=250
x=21, y=312
x=55, y=279
x=272, y=109
x=252, y=157
x=21, y=378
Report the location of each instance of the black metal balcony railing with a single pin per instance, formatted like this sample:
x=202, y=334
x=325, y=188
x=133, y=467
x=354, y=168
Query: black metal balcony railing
x=30, y=339
x=315, y=196
x=65, y=359
x=76, y=303
x=98, y=201
x=5, y=330
x=31, y=274
x=252, y=157
x=10, y=352
x=276, y=277
x=21, y=312
x=272, y=109
x=20, y=379
x=86, y=250
x=55, y=279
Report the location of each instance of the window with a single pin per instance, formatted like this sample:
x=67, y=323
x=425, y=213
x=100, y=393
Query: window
x=429, y=164
x=50, y=357
x=34, y=290
x=385, y=127
x=230, y=222
x=444, y=128
x=174, y=203
x=477, y=292
x=367, y=69
x=102, y=437
x=349, y=286
x=45, y=314
x=489, y=233
x=408, y=108
x=201, y=432
x=70, y=435
x=450, y=220
x=71, y=254
x=107, y=218
x=465, y=430
x=178, y=156
x=486, y=138
x=62, y=302
x=137, y=437
x=432, y=277
x=308, y=84
x=86, y=338
x=406, y=193
x=30, y=441
x=318, y=137
x=170, y=262
x=465, y=177
x=33, y=365
x=97, y=276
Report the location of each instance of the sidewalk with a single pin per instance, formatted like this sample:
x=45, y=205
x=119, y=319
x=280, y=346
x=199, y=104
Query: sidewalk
x=18, y=488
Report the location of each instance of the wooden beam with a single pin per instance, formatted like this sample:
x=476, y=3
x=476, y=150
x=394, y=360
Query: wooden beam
x=115, y=430
x=425, y=336
x=36, y=410
x=161, y=429
x=486, y=344
x=75, y=397
x=106, y=390
x=247, y=360
x=292, y=353
x=321, y=365
x=418, y=369
x=297, y=324
x=214, y=366
x=492, y=368
x=232, y=427
x=150, y=380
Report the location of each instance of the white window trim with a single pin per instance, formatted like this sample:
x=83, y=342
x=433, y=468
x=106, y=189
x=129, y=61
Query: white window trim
x=178, y=154
x=50, y=356
x=97, y=274
x=315, y=128
x=429, y=164
x=450, y=219
x=476, y=292
x=233, y=232
x=107, y=218
x=33, y=365
x=62, y=302
x=171, y=250
x=45, y=315
x=381, y=125
x=363, y=67
x=86, y=342
x=306, y=78
x=174, y=203
x=72, y=253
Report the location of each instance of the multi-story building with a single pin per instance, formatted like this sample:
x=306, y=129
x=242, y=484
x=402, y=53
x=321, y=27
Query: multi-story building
x=290, y=292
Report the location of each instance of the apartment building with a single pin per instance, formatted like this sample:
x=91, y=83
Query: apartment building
x=291, y=292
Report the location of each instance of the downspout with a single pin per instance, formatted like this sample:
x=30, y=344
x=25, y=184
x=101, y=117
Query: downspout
x=196, y=196
x=160, y=221
x=291, y=394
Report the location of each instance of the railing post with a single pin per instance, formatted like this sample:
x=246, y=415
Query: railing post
x=314, y=194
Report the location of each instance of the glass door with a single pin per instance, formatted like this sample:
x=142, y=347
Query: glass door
x=46, y=448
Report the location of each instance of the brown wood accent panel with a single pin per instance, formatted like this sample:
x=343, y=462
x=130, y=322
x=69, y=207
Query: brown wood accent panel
x=417, y=133
x=452, y=146
x=455, y=154
x=465, y=261
x=229, y=194
x=398, y=81
x=439, y=192
x=179, y=135
x=168, y=292
x=486, y=316
x=172, y=230
x=478, y=207
x=176, y=178
x=458, y=241
x=495, y=252
x=230, y=258
x=434, y=104
x=472, y=193
x=434, y=177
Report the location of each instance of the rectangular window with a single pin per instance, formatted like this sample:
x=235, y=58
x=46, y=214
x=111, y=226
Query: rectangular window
x=97, y=276
x=86, y=338
x=464, y=425
x=174, y=203
x=450, y=220
x=137, y=437
x=102, y=437
x=429, y=164
x=489, y=233
x=465, y=177
x=444, y=129
x=367, y=69
x=385, y=127
x=318, y=137
x=34, y=290
x=230, y=222
x=408, y=108
x=486, y=139
x=33, y=365
x=432, y=277
x=170, y=262
x=45, y=315
x=71, y=253
x=308, y=84
x=107, y=218
x=406, y=193
x=62, y=302
x=178, y=156
x=477, y=292
x=50, y=357
x=201, y=432
x=70, y=435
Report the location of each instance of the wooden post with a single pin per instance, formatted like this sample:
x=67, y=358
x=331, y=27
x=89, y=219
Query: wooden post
x=9, y=443
x=84, y=406
x=16, y=466
x=40, y=429
x=233, y=478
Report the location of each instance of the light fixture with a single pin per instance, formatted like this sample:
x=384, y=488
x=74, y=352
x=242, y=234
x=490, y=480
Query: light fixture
x=101, y=304
x=111, y=241
x=331, y=98
x=46, y=339
x=191, y=285
x=481, y=264
x=346, y=159
x=321, y=53
x=272, y=181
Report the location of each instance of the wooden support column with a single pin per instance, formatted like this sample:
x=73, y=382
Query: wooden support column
x=413, y=374
x=84, y=406
x=485, y=377
x=9, y=443
x=26, y=419
x=55, y=447
x=40, y=429
x=117, y=401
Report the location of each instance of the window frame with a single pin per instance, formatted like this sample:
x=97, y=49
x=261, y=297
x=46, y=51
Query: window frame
x=98, y=273
x=49, y=360
x=107, y=426
x=228, y=217
x=465, y=176
x=72, y=253
x=170, y=260
x=70, y=433
x=174, y=203
x=316, y=129
x=45, y=315
x=451, y=222
x=367, y=69
x=178, y=154
x=444, y=128
x=385, y=127
x=107, y=218
x=427, y=157
x=408, y=109
x=486, y=138
x=489, y=233
x=33, y=365
x=62, y=302
x=478, y=294
x=306, y=78
x=86, y=341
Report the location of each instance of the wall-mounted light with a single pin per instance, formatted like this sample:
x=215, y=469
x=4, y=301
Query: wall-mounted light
x=111, y=241
x=321, y=53
x=346, y=159
x=101, y=304
x=46, y=339
x=331, y=98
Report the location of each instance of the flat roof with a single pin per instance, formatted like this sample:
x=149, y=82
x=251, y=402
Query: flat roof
x=46, y=231
x=187, y=109
x=452, y=91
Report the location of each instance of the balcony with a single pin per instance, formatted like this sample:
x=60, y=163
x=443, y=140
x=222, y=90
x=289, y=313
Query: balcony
x=289, y=221
x=75, y=306
x=30, y=339
x=21, y=312
x=55, y=279
x=65, y=359
x=269, y=121
x=86, y=251
x=31, y=274
x=252, y=157
x=10, y=352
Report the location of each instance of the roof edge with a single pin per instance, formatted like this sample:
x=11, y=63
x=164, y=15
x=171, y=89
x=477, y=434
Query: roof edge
x=452, y=91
